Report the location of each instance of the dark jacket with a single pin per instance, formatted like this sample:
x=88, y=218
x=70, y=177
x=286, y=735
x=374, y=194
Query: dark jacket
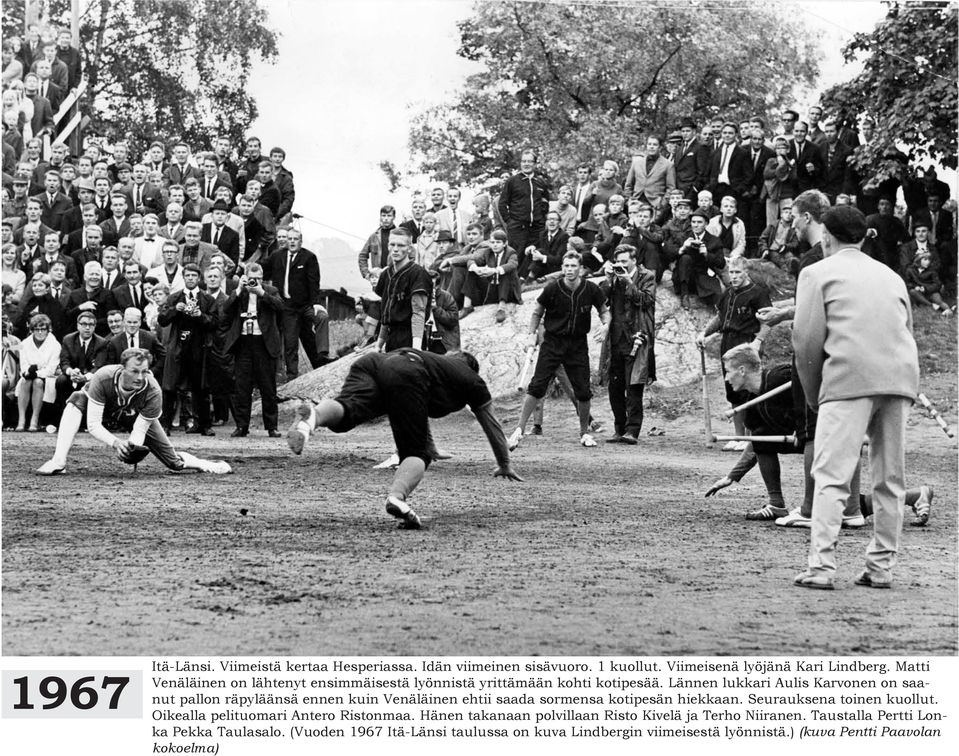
x=525, y=199
x=269, y=307
x=304, y=276
x=72, y=356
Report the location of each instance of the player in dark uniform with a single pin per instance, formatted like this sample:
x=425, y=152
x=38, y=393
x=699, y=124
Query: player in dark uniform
x=405, y=289
x=128, y=395
x=409, y=387
x=736, y=321
x=566, y=305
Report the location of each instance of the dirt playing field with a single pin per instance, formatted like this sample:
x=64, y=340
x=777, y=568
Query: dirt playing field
x=607, y=551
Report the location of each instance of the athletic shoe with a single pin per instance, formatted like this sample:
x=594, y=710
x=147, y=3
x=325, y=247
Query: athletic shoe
x=870, y=582
x=794, y=519
x=587, y=440
x=537, y=430
x=299, y=431
x=730, y=446
x=812, y=580
x=768, y=512
x=514, y=438
x=213, y=466
x=390, y=462
x=402, y=511
x=630, y=440
x=617, y=439
x=50, y=468
x=923, y=505
x=437, y=455
x=854, y=521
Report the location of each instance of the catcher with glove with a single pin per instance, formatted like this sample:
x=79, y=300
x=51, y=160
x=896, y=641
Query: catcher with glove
x=129, y=393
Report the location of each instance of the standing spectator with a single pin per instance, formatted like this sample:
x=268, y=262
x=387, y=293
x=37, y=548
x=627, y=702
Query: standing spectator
x=211, y=179
x=938, y=221
x=606, y=186
x=171, y=272
x=180, y=168
x=59, y=73
x=374, y=256
x=249, y=164
x=46, y=87
x=195, y=206
x=650, y=175
x=836, y=177
x=250, y=316
x=752, y=207
x=779, y=179
x=39, y=301
x=858, y=364
x=630, y=291
x=223, y=151
x=692, y=161
x=583, y=193
x=55, y=203
x=453, y=218
x=415, y=224
x=130, y=293
x=809, y=162
x=816, y=135
x=283, y=178
x=259, y=240
x=884, y=233
x=296, y=274
x=427, y=247
x=219, y=234
x=190, y=315
x=523, y=205
x=729, y=172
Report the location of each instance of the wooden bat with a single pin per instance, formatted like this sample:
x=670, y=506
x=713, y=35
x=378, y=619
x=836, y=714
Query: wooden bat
x=759, y=399
x=934, y=413
x=761, y=439
x=707, y=419
x=524, y=376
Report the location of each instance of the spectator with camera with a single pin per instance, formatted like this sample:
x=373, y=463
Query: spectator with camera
x=250, y=318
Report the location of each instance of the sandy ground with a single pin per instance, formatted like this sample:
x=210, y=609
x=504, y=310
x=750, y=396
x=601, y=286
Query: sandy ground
x=605, y=551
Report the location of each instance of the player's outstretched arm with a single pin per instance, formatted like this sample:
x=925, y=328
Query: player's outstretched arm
x=497, y=441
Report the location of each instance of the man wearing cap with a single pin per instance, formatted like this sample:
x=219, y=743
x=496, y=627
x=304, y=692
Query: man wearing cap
x=700, y=263
x=650, y=175
x=858, y=363
x=221, y=235
x=16, y=207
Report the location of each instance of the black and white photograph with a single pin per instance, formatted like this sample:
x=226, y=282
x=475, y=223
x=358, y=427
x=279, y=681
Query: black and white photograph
x=486, y=328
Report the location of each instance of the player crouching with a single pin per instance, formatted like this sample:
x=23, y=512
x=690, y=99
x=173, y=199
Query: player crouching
x=409, y=387
x=129, y=393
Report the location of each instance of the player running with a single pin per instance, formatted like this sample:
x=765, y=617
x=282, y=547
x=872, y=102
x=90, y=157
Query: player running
x=129, y=394
x=409, y=387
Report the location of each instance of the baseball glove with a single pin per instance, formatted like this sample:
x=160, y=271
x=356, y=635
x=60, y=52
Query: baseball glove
x=134, y=455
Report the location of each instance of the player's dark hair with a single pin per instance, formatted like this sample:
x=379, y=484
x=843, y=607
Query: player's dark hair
x=470, y=360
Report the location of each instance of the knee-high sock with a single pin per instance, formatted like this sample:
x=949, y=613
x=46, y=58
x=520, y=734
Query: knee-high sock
x=407, y=478
x=69, y=425
x=529, y=404
x=772, y=477
x=865, y=501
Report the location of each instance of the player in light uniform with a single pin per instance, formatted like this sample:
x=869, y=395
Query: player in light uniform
x=410, y=387
x=129, y=394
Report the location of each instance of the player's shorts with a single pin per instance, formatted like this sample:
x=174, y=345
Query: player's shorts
x=398, y=388
x=156, y=441
x=572, y=354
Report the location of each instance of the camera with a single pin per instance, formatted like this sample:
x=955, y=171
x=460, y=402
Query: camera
x=252, y=283
x=619, y=269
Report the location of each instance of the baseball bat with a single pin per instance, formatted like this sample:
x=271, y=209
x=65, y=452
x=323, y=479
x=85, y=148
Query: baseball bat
x=527, y=364
x=934, y=413
x=707, y=419
x=761, y=439
x=759, y=399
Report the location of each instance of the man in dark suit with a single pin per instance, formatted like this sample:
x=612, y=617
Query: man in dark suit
x=937, y=220
x=296, y=274
x=92, y=251
x=729, y=168
x=546, y=256
x=130, y=292
x=700, y=262
x=180, y=169
x=259, y=241
x=42, y=121
x=82, y=353
x=415, y=224
x=49, y=88
x=118, y=224
x=70, y=57
x=189, y=313
x=91, y=297
x=135, y=336
x=809, y=162
x=221, y=235
x=836, y=177
x=142, y=197
x=692, y=161
x=58, y=70
x=251, y=316
x=211, y=180
x=752, y=210
x=52, y=254
x=55, y=204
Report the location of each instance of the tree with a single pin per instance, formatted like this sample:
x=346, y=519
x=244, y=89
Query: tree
x=583, y=82
x=163, y=69
x=908, y=86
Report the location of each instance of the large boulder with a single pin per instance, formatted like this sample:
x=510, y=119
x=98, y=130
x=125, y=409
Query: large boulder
x=500, y=348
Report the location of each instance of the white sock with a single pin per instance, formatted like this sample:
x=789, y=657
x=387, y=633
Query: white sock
x=69, y=427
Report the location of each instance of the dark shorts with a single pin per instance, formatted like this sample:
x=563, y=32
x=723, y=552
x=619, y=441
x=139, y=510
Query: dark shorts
x=572, y=354
x=399, y=390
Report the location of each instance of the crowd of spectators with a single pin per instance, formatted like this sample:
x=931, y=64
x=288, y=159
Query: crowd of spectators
x=107, y=249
